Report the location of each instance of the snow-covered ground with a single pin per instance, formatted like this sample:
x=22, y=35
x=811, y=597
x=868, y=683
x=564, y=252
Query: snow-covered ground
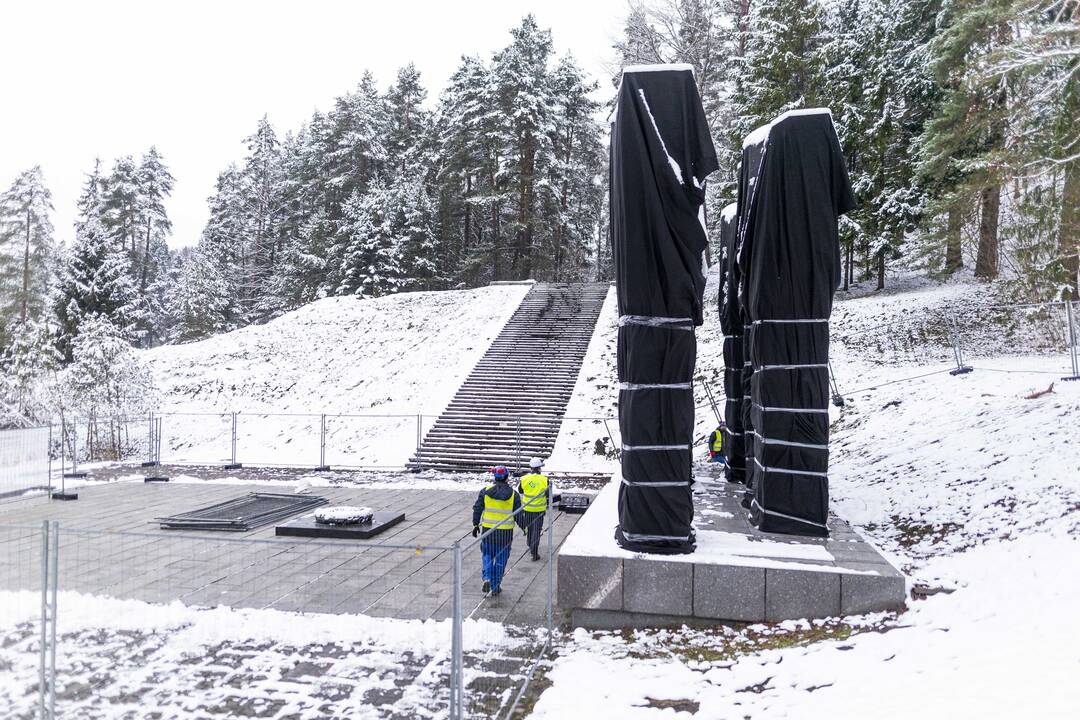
x=120, y=659
x=968, y=485
x=382, y=361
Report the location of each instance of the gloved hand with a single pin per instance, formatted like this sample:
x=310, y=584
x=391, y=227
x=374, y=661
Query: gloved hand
x=475, y=530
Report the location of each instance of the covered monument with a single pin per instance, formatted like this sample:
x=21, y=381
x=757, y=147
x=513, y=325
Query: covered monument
x=731, y=324
x=788, y=267
x=661, y=153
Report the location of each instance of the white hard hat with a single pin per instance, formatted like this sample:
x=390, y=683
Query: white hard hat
x=536, y=462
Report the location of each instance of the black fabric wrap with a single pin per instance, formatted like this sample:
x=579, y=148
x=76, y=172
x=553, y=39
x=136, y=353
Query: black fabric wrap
x=661, y=153
x=788, y=261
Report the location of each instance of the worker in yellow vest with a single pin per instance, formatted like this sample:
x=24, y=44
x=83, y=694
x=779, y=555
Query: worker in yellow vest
x=535, y=494
x=494, y=516
x=716, y=444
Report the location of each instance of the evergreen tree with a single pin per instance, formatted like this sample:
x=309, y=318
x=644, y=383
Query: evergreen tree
x=121, y=204
x=27, y=250
x=96, y=281
x=200, y=301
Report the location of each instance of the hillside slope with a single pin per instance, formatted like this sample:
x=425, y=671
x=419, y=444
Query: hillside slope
x=396, y=356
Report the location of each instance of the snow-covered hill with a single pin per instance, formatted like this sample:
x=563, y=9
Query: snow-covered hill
x=395, y=356
x=965, y=481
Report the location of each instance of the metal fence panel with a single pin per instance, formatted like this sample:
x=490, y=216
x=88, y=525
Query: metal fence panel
x=23, y=634
x=24, y=460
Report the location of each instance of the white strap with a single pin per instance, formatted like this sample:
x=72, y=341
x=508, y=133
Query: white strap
x=754, y=503
x=630, y=448
x=678, y=483
x=788, y=443
x=656, y=386
x=788, y=471
x=656, y=321
x=763, y=408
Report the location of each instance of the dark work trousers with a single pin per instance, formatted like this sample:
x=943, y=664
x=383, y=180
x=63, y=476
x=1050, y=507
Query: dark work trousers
x=534, y=525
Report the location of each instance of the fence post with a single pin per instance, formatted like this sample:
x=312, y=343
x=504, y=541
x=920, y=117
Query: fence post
x=958, y=352
x=419, y=441
x=233, y=464
x=54, y=587
x=44, y=615
x=48, y=454
x=517, y=444
x=157, y=441
x=550, y=566
x=322, y=443
x=837, y=398
x=1073, y=357
x=457, y=675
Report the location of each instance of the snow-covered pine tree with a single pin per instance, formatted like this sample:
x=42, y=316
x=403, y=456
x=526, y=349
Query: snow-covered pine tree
x=407, y=123
x=27, y=250
x=25, y=367
x=200, y=300
x=462, y=154
x=524, y=104
x=962, y=143
x=120, y=195
x=95, y=281
x=573, y=189
x=262, y=182
x=371, y=266
x=784, y=67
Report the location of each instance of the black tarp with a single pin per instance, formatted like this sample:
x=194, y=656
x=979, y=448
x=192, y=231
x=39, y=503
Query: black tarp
x=731, y=324
x=661, y=153
x=789, y=260
x=753, y=152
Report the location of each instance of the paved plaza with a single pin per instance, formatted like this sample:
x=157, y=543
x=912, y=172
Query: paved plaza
x=110, y=545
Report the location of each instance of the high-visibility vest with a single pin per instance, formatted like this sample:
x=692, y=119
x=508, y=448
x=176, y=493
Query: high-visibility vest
x=716, y=442
x=497, y=513
x=534, y=492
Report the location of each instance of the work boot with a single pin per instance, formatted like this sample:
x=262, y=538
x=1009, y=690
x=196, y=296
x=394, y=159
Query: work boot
x=496, y=591
x=535, y=555
x=486, y=586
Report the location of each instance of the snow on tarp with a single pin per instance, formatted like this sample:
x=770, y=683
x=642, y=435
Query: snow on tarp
x=661, y=153
x=789, y=264
x=731, y=325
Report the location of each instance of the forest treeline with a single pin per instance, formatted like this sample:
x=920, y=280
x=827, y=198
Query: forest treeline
x=958, y=118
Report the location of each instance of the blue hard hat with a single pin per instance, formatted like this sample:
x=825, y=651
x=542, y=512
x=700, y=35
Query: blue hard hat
x=500, y=471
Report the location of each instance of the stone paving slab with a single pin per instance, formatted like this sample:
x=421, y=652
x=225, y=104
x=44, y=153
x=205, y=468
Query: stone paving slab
x=111, y=545
x=737, y=573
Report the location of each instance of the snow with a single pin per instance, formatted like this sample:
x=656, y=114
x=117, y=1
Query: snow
x=660, y=67
x=1003, y=645
x=672, y=163
x=184, y=661
x=594, y=536
x=729, y=212
x=959, y=480
x=380, y=361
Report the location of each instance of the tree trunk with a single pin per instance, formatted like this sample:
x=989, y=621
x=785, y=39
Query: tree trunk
x=145, y=259
x=986, y=263
x=954, y=259
x=1069, y=233
x=881, y=270
x=26, y=269
x=495, y=249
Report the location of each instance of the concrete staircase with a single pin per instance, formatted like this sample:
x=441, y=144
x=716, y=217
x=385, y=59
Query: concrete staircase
x=511, y=406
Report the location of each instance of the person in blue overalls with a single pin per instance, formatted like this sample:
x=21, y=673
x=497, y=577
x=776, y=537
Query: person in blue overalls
x=495, y=513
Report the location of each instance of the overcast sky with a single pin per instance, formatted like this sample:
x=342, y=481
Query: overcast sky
x=86, y=79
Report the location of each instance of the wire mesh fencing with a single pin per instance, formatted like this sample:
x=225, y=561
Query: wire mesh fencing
x=507, y=593
x=24, y=460
x=99, y=624
x=27, y=638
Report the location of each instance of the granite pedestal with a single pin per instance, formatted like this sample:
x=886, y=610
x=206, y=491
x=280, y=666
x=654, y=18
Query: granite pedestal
x=381, y=521
x=736, y=574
